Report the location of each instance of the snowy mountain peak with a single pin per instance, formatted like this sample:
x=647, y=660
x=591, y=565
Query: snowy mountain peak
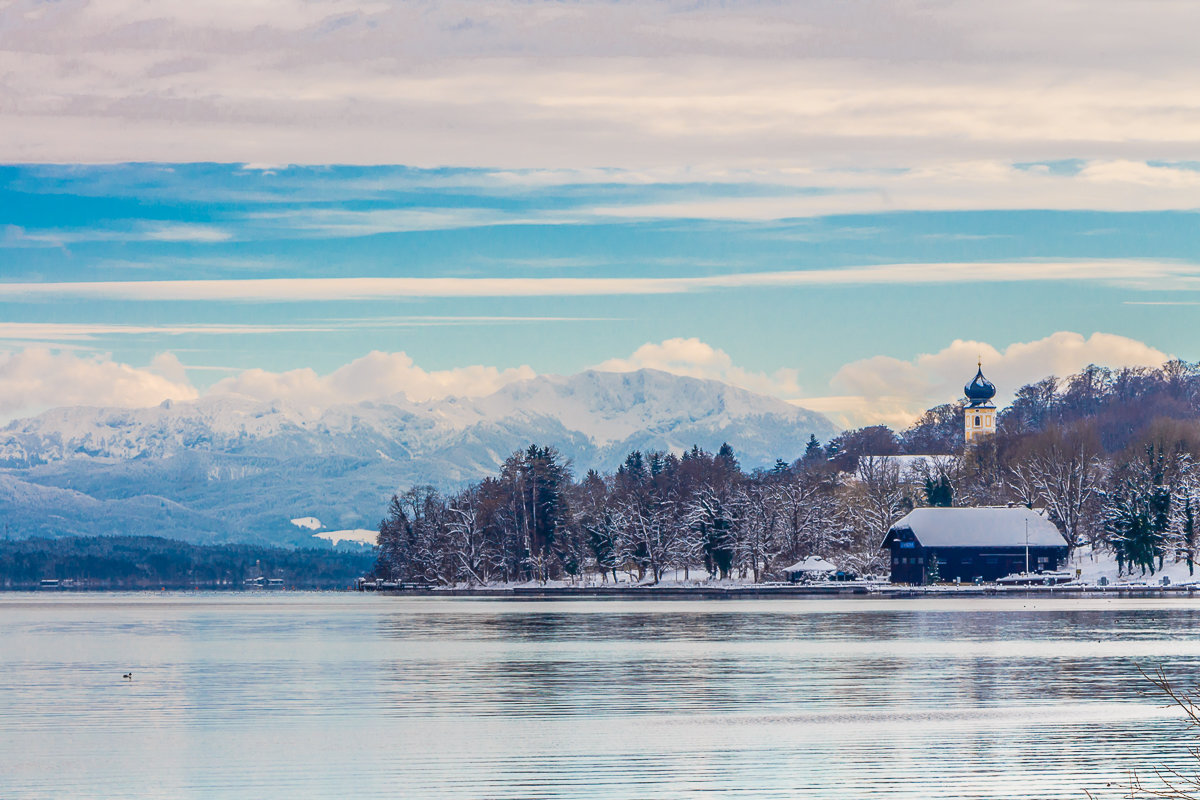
x=240, y=468
x=609, y=407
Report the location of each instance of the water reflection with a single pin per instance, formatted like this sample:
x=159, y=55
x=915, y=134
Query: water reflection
x=330, y=695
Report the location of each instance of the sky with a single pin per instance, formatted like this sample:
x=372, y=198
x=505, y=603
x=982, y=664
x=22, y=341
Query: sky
x=843, y=205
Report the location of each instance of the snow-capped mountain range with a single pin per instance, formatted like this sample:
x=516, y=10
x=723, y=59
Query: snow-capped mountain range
x=230, y=468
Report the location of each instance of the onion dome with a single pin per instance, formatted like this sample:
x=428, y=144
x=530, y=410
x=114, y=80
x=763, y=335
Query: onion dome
x=980, y=389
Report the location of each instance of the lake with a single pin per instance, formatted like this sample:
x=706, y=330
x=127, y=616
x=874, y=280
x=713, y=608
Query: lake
x=345, y=695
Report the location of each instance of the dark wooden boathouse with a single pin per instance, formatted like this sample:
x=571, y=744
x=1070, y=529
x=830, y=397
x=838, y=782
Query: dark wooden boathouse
x=971, y=543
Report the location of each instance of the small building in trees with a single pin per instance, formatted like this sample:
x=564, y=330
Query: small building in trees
x=979, y=414
x=812, y=568
x=945, y=544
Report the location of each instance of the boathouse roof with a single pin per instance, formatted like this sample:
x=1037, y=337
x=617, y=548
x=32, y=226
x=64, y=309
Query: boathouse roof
x=976, y=527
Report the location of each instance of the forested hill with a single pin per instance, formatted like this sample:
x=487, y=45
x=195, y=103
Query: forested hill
x=148, y=562
x=1112, y=457
x=1116, y=406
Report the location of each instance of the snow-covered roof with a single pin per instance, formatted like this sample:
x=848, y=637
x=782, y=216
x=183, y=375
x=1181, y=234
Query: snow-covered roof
x=979, y=527
x=811, y=564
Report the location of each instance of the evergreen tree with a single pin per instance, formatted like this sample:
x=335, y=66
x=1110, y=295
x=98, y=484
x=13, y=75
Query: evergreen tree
x=938, y=492
x=633, y=471
x=726, y=457
x=542, y=486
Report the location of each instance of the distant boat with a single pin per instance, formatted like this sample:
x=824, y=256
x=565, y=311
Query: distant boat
x=263, y=582
x=1036, y=578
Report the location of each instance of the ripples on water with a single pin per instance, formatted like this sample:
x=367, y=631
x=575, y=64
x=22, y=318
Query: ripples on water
x=334, y=695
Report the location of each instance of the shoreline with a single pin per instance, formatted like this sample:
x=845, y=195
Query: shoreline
x=682, y=593
x=751, y=592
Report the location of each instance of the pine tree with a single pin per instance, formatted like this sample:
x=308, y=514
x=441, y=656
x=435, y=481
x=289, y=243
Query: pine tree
x=726, y=458
x=938, y=492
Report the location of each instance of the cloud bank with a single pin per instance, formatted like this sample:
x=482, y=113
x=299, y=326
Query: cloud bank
x=696, y=359
x=374, y=377
x=629, y=84
x=1133, y=273
x=894, y=391
x=35, y=379
x=876, y=390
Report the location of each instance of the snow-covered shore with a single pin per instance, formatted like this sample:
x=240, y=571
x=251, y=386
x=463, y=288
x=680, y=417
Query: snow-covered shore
x=1096, y=571
x=1094, y=567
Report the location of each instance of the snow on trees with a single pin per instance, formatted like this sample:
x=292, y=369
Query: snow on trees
x=1112, y=456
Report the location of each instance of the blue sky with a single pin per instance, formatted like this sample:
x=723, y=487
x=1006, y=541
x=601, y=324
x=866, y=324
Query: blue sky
x=841, y=206
x=278, y=254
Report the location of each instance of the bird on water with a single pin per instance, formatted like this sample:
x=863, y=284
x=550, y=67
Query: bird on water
x=128, y=676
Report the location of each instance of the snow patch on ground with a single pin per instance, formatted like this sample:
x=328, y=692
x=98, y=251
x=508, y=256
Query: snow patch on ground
x=693, y=577
x=312, y=523
x=1094, y=565
x=360, y=535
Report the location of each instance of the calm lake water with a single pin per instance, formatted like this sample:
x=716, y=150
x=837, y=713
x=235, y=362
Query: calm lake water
x=346, y=695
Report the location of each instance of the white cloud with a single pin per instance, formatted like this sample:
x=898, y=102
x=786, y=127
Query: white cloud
x=35, y=379
x=883, y=390
x=1134, y=174
x=697, y=359
x=376, y=376
x=1127, y=272
x=169, y=367
x=15, y=236
x=895, y=391
x=183, y=232
x=345, y=223
x=85, y=331
x=63, y=332
x=38, y=378
x=1108, y=185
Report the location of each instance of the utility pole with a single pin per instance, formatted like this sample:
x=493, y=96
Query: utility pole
x=1026, y=547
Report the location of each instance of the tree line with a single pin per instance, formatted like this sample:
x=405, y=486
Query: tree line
x=151, y=562
x=1112, y=456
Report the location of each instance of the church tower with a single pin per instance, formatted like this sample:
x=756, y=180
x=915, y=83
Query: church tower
x=979, y=413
